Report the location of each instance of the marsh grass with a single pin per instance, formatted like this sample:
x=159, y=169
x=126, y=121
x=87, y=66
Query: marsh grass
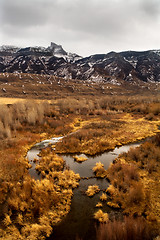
x=130, y=228
x=80, y=159
x=92, y=190
x=101, y=216
x=126, y=189
x=106, y=135
x=33, y=207
x=103, y=197
x=99, y=123
x=134, y=186
x=99, y=170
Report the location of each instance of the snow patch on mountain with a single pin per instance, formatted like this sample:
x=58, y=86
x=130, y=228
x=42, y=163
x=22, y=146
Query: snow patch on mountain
x=132, y=61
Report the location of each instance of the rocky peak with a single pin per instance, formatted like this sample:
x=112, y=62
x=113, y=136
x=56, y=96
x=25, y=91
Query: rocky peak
x=56, y=49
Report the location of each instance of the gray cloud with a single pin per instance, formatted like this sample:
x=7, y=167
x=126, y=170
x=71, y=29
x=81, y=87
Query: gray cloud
x=24, y=13
x=82, y=26
x=151, y=8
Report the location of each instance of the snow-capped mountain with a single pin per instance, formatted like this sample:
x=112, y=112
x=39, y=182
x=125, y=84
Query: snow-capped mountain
x=54, y=60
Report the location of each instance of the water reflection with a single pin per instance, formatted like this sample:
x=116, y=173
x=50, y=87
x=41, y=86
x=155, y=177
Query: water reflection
x=85, y=168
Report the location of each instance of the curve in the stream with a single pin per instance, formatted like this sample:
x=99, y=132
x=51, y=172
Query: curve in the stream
x=33, y=154
x=79, y=222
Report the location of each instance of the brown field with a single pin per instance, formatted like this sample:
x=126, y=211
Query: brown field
x=32, y=86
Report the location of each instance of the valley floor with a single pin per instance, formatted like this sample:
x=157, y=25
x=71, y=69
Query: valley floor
x=91, y=124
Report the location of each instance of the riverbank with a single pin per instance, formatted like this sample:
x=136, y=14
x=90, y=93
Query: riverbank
x=135, y=183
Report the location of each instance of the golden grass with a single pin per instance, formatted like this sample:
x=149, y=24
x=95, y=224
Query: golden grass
x=99, y=204
x=111, y=190
x=106, y=135
x=113, y=205
x=99, y=170
x=101, y=216
x=103, y=197
x=80, y=158
x=8, y=100
x=92, y=190
x=36, y=205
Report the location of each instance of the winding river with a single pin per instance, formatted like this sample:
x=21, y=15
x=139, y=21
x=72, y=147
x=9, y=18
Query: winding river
x=79, y=223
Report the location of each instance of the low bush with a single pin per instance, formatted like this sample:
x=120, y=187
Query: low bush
x=126, y=190
x=146, y=155
x=99, y=170
x=92, y=190
x=101, y=216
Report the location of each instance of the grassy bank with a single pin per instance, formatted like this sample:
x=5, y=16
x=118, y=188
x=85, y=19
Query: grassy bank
x=134, y=188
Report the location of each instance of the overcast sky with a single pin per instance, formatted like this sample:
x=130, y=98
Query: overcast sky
x=82, y=26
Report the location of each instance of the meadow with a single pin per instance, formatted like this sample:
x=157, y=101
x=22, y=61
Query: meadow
x=92, y=121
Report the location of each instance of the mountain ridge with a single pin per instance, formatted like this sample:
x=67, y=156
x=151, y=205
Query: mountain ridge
x=54, y=60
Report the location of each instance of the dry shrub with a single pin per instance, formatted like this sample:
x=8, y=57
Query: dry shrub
x=5, y=115
x=111, y=190
x=31, y=207
x=122, y=174
x=126, y=190
x=99, y=204
x=140, y=105
x=50, y=162
x=80, y=159
x=101, y=216
x=34, y=112
x=133, y=154
x=92, y=190
x=2, y=130
x=36, y=231
x=151, y=166
x=45, y=197
x=136, y=194
x=103, y=197
x=7, y=220
x=156, y=140
x=131, y=192
x=68, y=144
x=128, y=229
x=36, y=205
x=99, y=166
x=82, y=135
x=86, y=135
x=14, y=116
x=99, y=170
x=11, y=169
x=81, y=106
x=97, y=125
x=145, y=154
x=141, y=108
x=5, y=123
x=63, y=130
x=70, y=105
x=150, y=116
x=155, y=109
x=55, y=123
